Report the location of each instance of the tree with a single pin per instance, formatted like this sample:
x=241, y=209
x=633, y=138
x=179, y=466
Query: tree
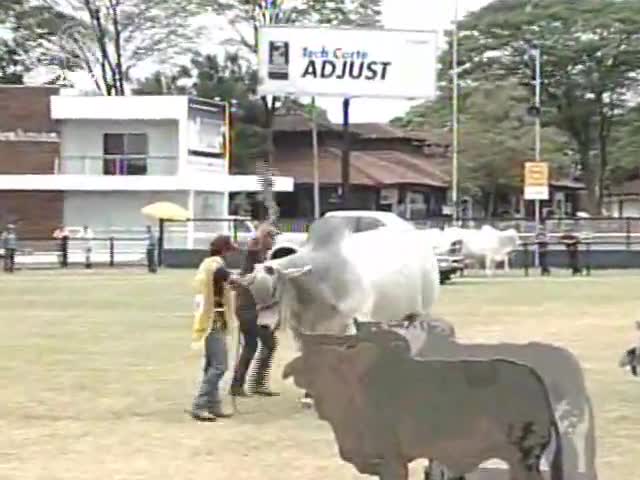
x=590, y=62
x=250, y=15
x=497, y=138
x=625, y=148
x=108, y=38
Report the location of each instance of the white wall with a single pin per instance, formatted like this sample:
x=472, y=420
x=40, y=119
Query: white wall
x=630, y=207
x=108, y=210
x=85, y=138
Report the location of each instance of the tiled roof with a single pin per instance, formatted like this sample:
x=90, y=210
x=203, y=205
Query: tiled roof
x=371, y=167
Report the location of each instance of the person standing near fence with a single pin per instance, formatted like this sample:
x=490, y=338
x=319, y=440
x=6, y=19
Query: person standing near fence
x=9, y=244
x=572, y=244
x=87, y=236
x=249, y=321
x=152, y=246
x=542, y=240
x=62, y=235
x=210, y=327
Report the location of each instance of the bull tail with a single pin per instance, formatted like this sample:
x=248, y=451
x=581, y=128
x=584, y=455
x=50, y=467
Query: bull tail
x=557, y=466
x=590, y=444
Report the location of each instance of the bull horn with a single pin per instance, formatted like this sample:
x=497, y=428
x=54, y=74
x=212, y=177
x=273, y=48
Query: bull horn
x=296, y=272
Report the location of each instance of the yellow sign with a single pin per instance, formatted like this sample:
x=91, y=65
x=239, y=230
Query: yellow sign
x=536, y=181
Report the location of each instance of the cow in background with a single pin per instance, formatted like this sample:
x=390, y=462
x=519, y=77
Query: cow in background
x=487, y=244
x=387, y=409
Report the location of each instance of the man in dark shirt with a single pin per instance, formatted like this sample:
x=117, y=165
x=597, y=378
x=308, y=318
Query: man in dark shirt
x=247, y=314
x=572, y=244
x=542, y=240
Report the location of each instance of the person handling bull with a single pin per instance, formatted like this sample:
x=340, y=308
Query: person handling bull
x=255, y=322
x=210, y=326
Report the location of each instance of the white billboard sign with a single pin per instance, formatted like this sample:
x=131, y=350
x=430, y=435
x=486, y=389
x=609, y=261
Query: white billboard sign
x=346, y=62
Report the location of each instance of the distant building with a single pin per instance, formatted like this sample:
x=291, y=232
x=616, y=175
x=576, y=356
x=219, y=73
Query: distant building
x=389, y=169
x=98, y=160
x=623, y=200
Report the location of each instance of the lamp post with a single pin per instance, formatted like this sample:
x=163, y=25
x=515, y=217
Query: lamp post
x=454, y=124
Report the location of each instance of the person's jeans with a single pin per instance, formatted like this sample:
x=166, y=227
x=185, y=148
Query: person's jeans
x=251, y=333
x=215, y=366
x=151, y=260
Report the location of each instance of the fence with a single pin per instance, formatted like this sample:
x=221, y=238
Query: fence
x=33, y=253
x=607, y=232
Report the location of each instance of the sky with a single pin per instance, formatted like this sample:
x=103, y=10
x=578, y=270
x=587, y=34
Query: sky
x=398, y=14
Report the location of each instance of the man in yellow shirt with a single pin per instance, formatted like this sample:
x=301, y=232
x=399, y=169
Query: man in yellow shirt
x=210, y=326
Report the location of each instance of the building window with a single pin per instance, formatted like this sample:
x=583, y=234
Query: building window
x=124, y=154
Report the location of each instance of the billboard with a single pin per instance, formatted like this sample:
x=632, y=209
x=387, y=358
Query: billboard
x=208, y=138
x=536, y=181
x=346, y=62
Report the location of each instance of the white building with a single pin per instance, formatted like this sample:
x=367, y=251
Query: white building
x=118, y=154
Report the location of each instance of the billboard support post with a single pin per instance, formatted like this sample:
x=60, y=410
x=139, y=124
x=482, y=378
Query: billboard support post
x=346, y=153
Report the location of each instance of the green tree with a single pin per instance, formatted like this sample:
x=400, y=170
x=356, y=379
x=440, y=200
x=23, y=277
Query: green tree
x=108, y=38
x=625, y=147
x=590, y=62
x=496, y=138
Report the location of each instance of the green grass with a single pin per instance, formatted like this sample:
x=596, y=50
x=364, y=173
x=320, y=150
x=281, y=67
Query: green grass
x=96, y=371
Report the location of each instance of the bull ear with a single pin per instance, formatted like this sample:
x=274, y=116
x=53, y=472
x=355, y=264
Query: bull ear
x=296, y=272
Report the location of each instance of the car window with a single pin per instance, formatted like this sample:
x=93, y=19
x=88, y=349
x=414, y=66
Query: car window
x=369, y=223
x=350, y=222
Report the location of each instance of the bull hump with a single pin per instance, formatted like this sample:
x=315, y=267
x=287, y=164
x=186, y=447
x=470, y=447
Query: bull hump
x=480, y=374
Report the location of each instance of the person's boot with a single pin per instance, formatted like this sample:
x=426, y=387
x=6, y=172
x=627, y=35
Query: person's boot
x=259, y=382
x=202, y=415
x=217, y=411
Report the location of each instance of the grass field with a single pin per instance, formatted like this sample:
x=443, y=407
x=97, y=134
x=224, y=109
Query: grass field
x=96, y=371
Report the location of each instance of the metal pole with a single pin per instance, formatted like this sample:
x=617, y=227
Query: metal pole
x=537, y=146
x=346, y=150
x=316, y=173
x=454, y=166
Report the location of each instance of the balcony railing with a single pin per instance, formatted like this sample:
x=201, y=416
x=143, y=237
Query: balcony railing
x=117, y=165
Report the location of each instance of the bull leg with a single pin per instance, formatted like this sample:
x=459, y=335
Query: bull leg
x=393, y=470
x=488, y=265
x=506, y=263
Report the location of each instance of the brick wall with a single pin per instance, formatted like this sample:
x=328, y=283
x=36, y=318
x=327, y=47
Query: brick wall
x=26, y=108
x=36, y=214
x=28, y=157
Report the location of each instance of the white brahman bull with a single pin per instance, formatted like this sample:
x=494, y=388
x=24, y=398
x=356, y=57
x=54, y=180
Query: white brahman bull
x=487, y=243
x=337, y=277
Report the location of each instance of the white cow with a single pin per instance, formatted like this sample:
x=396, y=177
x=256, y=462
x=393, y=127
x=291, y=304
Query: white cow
x=487, y=243
x=337, y=276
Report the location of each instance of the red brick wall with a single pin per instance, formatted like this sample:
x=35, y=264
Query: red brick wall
x=28, y=157
x=26, y=108
x=36, y=214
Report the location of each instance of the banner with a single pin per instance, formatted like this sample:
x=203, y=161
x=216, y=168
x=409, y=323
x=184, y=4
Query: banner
x=346, y=62
x=536, y=181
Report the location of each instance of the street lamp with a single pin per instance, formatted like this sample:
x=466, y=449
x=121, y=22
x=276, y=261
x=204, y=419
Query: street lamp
x=454, y=124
